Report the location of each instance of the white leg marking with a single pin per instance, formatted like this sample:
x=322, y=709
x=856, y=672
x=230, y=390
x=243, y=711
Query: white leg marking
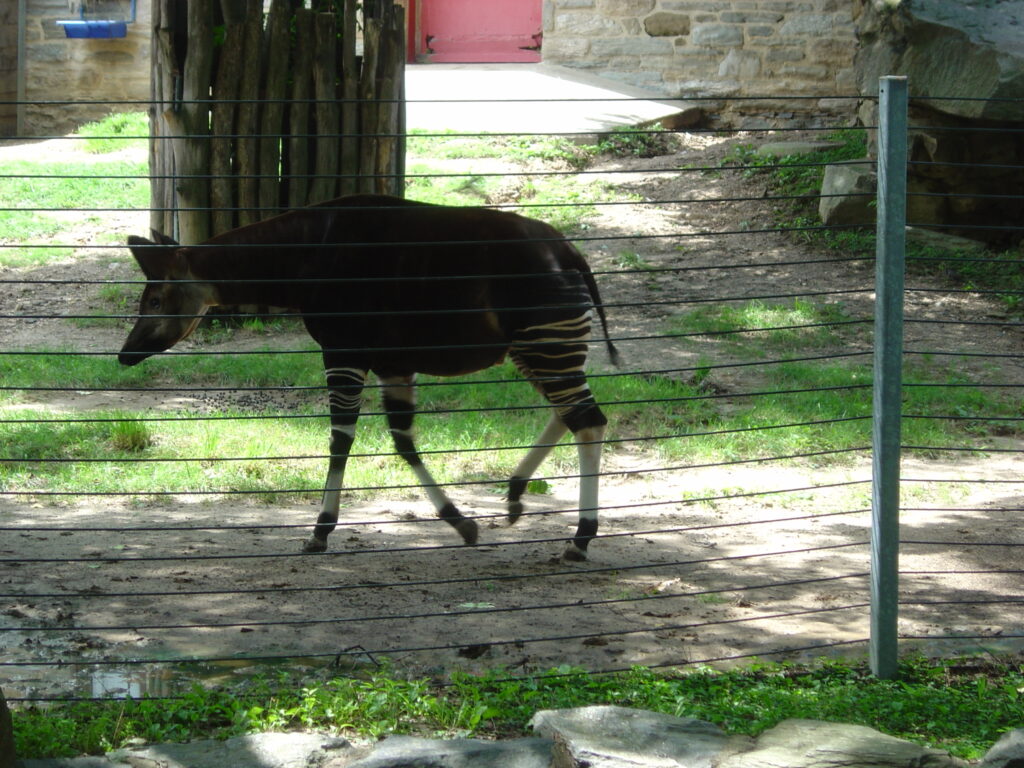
x=552, y=433
x=590, y=469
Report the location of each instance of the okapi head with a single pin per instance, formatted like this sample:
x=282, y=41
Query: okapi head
x=171, y=305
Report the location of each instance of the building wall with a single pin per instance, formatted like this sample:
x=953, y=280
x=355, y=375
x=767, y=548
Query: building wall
x=58, y=68
x=714, y=48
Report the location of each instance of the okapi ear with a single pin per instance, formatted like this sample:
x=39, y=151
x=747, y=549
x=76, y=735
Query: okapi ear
x=155, y=259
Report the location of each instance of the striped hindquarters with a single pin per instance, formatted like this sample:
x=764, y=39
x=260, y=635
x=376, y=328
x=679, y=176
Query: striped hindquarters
x=552, y=356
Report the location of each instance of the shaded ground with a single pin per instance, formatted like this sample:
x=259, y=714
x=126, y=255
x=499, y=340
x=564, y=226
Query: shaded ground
x=732, y=574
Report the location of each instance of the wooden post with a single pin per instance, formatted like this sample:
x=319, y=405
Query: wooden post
x=299, y=140
x=246, y=143
x=225, y=110
x=188, y=118
x=324, y=186
x=276, y=71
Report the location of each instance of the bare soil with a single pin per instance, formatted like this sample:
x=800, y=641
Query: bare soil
x=101, y=583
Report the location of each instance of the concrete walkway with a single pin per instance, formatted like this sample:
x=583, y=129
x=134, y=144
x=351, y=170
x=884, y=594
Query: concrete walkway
x=524, y=98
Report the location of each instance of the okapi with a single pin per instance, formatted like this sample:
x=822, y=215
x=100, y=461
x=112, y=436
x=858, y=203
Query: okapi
x=398, y=288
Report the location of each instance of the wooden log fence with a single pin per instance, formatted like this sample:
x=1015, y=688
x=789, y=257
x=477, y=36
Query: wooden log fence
x=255, y=112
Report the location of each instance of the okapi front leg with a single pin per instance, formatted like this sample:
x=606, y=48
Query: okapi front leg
x=399, y=403
x=345, y=386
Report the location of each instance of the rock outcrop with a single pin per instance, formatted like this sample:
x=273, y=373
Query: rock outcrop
x=965, y=67
x=972, y=53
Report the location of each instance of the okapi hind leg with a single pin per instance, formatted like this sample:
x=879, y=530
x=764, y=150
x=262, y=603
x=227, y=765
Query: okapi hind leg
x=552, y=433
x=400, y=406
x=345, y=386
x=588, y=424
x=575, y=410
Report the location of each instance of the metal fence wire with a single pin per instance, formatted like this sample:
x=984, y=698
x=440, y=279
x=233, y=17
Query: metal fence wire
x=152, y=516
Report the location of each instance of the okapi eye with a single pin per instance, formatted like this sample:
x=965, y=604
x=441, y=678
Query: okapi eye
x=154, y=303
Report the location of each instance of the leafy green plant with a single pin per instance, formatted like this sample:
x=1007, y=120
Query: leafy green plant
x=638, y=142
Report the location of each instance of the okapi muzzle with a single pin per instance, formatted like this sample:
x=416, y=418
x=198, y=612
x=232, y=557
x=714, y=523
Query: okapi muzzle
x=169, y=310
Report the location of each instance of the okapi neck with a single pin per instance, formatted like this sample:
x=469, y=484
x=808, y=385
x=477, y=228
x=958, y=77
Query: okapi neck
x=248, y=274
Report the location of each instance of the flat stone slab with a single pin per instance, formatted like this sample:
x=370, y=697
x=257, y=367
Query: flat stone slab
x=813, y=744
x=263, y=750
x=617, y=737
x=412, y=752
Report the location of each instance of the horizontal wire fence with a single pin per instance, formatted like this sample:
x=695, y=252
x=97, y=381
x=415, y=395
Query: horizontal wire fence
x=151, y=517
x=945, y=609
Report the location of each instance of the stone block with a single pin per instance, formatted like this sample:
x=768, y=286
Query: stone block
x=748, y=17
x=808, y=25
x=847, y=192
x=565, y=48
x=1008, y=752
x=615, y=737
x=664, y=24
x=586, y=25
x=632, y=8
x=631, y=46
x=717, y=35
x=742, y=65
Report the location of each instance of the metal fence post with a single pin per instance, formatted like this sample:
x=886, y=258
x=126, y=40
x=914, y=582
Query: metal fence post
x=890, y=259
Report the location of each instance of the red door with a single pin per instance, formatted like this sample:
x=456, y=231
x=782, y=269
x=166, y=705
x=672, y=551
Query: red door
x=481, y=30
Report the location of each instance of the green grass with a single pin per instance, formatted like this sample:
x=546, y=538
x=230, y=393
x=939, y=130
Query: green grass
x=699, y=424
x=564, y=201
x=959, y=705
x=450, y=145
x=115, y=132
x=41, y=193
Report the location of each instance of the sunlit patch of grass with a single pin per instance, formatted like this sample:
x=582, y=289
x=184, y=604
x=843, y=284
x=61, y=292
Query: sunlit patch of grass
x=117, y=131
x=41, y=195
x=760, y=327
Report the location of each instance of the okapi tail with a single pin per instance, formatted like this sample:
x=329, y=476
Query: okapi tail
x=595, y=295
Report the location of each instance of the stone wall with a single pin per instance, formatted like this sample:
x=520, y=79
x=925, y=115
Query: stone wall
x=58, y=68
x=714, y=48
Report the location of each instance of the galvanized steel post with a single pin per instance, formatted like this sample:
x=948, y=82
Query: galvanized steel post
x=886, y=410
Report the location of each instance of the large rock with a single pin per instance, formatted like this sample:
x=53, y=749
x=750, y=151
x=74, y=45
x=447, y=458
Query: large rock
x=412, y=752
x=973, y=50
x=1008, y=752
x=618, y=737
x=964, y=153
x=848, y=195
x=6, y=735
x=813, y=744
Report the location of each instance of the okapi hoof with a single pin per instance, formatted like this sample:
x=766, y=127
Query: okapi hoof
x=574, y=554
x=516, y=488
x=313, y=544
x=468, y=531
x=515, y=511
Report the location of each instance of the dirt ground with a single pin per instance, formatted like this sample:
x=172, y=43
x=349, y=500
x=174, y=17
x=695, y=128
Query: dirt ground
x=772, y=561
